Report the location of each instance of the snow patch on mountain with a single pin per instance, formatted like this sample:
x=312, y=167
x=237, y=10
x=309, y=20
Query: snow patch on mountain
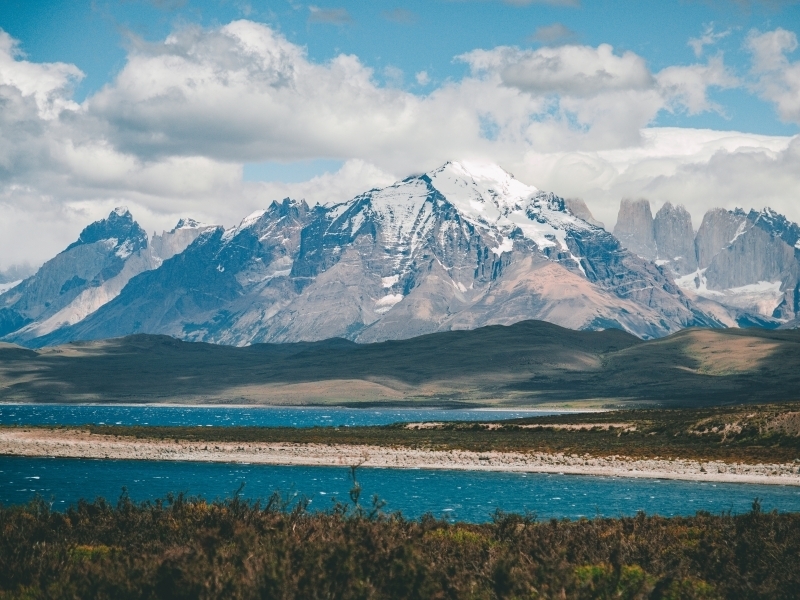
x=4, y=287
x=489, y=197
x=188, y=223
x=248, y=222
x=762, y=297
x=388, y=282
x=507, y=245
x=125, y=250
x=385, y=304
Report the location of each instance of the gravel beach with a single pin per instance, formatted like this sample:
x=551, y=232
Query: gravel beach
x=74, y=443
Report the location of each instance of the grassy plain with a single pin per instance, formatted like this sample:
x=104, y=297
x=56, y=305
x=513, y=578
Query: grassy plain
x=748, y=434
x=527, y=364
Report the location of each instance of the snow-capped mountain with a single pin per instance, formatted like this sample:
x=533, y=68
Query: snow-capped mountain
x=89, y=273
x=748, y=263
x=459, y=247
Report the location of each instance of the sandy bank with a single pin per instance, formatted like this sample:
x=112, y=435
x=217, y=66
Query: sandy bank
x=78, y=444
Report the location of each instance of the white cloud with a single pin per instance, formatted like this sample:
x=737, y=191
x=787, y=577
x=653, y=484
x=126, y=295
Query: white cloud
x=709, y=37
x=48, y=84
x=169, y=134
x=701, y=169
x=609, y=96
x=778, y=79
x=573, y=70
x=688, y=86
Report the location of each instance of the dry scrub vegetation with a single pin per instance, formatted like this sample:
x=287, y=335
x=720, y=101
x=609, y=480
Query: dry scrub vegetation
x=747, y=434
x=187, y=548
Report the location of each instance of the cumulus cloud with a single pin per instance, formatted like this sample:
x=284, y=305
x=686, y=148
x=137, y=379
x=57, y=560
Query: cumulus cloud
x=47, y=84
x=688, y=86
x=572, y=70
x=609, y=96
x=777, y=79
x=701, y=169
x=169, y=134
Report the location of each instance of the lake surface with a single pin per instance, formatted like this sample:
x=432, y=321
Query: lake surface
x=261, y=416
x=456, y=495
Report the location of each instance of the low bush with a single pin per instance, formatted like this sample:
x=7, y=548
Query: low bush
x=187, y=548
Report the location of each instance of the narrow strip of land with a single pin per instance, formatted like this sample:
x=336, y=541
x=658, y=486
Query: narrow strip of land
x=75, y=443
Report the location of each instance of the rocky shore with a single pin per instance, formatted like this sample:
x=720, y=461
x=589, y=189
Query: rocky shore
x=75, y=443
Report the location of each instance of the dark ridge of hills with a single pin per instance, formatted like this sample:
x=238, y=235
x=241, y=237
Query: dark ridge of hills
x=528, y=363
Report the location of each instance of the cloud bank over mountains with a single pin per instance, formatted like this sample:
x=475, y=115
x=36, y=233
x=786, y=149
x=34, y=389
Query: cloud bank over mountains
x=169, y=135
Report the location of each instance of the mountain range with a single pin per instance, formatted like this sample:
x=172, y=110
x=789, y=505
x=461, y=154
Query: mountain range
x=460, y=247
x=748, y=262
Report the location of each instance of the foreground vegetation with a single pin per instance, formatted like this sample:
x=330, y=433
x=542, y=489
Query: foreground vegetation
x=187, y=548
x=747, y=434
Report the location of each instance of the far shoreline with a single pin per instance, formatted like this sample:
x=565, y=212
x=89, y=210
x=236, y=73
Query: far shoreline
x=77, y=443
x=443, y=407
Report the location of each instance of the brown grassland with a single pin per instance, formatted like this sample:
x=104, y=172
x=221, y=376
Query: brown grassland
x=748, y=434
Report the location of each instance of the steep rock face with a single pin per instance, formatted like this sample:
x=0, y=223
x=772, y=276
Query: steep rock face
x=88, y=274
x=176, y=240
x=13, y=276
x=634, y=228
x=223, y=279
x=98, y=256
x=578, y=208
x=674, y=237
x=461, y=246
x=757, y=253
x=718, y=229
x=756, y=271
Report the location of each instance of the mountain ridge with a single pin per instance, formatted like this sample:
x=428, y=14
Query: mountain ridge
x=460, y=247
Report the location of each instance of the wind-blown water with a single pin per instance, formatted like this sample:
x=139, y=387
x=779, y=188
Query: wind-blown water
x=260, y=416
x=458, y=495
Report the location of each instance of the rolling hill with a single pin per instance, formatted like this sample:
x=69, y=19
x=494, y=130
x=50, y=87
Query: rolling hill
x=528, y=363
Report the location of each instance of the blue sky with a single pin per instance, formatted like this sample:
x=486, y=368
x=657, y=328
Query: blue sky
x=212, y=108
x=416, y=36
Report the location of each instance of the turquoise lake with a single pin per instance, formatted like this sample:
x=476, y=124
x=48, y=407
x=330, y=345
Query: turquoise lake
x=257, y=416
x=455, y=495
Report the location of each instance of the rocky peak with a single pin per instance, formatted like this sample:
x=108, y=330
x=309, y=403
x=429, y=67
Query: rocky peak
x=674, y=237
x=718, y=229
x=578, y=208
x=176, y=240
x=634, y=228
x=119, y=226
x=776, y=224
x=187, y=223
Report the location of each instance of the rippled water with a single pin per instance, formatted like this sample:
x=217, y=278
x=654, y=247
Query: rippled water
x=461, y=495
x=470, y=496
x=215, y=416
